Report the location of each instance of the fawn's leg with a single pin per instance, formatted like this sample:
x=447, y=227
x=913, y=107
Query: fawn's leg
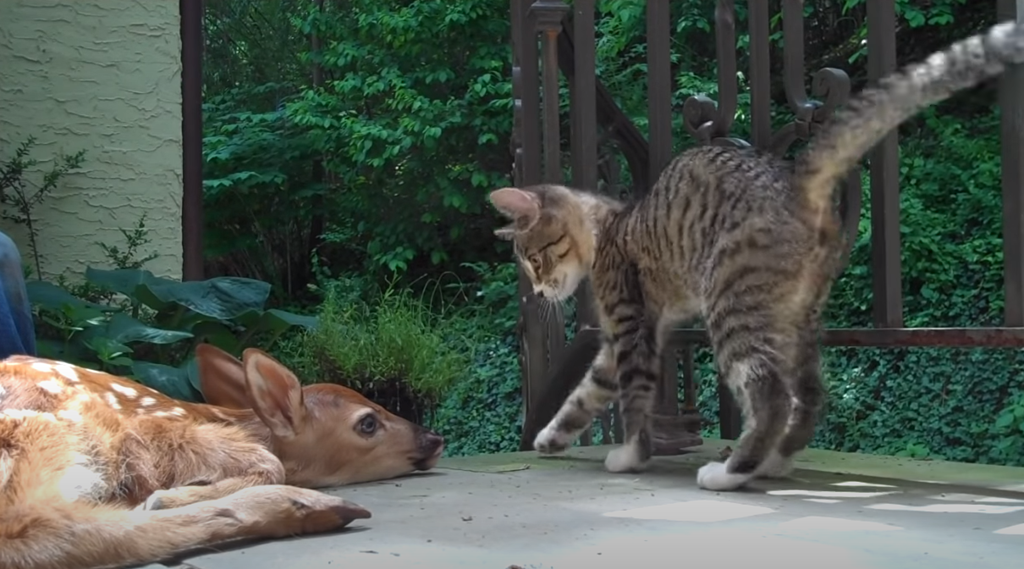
x=231, y=466
x=62, y=535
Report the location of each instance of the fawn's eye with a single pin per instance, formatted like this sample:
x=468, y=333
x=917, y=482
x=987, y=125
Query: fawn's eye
x=368, y=425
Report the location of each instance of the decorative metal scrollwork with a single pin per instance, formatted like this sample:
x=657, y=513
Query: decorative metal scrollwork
x=830, y=84
x=833, y=85
x=705, y=120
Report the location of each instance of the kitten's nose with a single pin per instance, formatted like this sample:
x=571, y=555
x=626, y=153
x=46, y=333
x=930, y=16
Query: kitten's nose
x=539, y=292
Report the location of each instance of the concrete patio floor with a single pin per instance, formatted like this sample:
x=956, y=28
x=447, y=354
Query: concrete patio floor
x=840, y=511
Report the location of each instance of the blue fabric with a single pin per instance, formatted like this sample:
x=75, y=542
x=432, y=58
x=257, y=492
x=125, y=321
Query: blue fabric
x=17, y=333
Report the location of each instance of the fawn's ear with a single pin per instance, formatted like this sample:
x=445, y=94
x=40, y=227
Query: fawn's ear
x=274, y=392
x=221, y=378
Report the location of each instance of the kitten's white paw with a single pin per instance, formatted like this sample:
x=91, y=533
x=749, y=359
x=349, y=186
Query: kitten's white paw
x=713, y=476
x=774, y=466
x=550, y=441
x=626, y=458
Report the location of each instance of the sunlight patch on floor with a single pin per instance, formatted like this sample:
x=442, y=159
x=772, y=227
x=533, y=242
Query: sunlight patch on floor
x=829, y=493
x=975, y=498
x=821, y=523
x=863, y=484
x=822, y=500
x=1012, y=530
x=695, y=511
x=949, y=508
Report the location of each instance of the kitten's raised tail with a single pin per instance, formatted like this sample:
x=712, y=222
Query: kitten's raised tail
x=873, y=112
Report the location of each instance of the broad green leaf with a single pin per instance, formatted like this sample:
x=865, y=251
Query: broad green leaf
x=218, y=334
x=124, y=281
x=192, y=370
x=106, y=347
x=171, y=381
x=275, y=321
x=222, y=298
x=51, y=297
x=124, y=328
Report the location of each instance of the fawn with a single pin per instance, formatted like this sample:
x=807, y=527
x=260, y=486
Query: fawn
x=97, y=470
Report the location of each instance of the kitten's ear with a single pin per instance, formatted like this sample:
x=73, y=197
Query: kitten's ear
x=520, y=206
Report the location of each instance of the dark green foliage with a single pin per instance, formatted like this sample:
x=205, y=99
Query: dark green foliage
x=482, y=412
x=411, y=121
x=925, y=403
x=136, y=324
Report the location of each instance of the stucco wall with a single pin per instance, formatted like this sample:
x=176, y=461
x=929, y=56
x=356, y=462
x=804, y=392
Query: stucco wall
x=102, y=76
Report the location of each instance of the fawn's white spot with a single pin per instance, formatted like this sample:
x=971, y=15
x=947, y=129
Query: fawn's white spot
x=80, y=481
x=112, y=400
x=67, y=371
x=40, y=366
x=123, y=390
x=6, y=468
x=51, y=385
x=178, y=411
x=147, y=401
x=26, y=413
x=70, y=415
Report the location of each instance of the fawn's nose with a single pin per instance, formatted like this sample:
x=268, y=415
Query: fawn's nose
x=432, y=443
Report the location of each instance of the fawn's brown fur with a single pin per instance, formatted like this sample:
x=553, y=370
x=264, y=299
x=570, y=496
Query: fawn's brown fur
x=97, y=470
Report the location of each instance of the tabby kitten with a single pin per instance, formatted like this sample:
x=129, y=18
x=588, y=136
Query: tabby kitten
x=742, y=239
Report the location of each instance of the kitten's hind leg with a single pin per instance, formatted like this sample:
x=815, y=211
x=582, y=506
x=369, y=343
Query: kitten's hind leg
x=808, y=394
x=597, y=389
x=757, y=382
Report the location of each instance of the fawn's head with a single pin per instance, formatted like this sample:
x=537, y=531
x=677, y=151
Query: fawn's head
x=324, y=434
x=553, y=233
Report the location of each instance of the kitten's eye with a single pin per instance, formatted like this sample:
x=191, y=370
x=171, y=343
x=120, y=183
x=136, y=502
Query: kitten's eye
x=534, y=260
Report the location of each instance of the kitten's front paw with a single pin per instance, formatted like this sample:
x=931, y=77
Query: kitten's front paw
x=774, y=466
x=626, y=458
x=550, y=441
x=714, y=476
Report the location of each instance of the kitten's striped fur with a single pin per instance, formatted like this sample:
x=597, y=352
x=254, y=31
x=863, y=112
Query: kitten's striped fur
x=747, y=242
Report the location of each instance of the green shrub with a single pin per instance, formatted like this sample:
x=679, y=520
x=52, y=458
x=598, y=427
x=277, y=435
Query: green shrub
x=390, y=339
